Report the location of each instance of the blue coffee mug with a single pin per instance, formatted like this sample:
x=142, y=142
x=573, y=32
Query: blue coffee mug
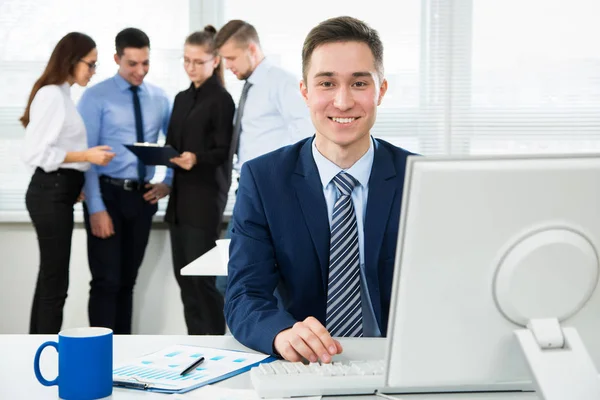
x=85, y=363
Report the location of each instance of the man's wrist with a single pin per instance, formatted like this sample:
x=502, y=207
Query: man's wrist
x=94, y=205
x=275, y=352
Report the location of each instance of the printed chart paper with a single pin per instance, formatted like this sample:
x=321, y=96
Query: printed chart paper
x=161, y=370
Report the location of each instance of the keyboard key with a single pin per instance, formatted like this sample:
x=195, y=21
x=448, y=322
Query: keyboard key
x=290, y=368
x=301, y=368
x=266, y=369
x=278, y=368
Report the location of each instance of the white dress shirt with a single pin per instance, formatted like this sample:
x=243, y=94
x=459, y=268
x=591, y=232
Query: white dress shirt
x=275, y=114
x=55, y=128
x=361, y=171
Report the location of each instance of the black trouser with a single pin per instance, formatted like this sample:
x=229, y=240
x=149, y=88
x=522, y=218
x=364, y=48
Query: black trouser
x=114, y=261
x=202, y=302
x=49, y=199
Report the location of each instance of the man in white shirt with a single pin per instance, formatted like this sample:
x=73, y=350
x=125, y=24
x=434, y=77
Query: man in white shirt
x=271, y=112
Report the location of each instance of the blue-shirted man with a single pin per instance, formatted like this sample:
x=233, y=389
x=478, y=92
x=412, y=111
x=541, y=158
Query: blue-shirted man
x=119, y=201
x=271, y=112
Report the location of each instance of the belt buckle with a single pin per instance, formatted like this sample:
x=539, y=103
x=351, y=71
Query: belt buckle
x=129, y=185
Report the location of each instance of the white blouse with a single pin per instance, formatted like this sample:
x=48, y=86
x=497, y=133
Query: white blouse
x=55, y=128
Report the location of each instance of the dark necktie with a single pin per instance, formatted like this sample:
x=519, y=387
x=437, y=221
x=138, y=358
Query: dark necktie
x=237, y=126
x=139, y=129
x=344, y=307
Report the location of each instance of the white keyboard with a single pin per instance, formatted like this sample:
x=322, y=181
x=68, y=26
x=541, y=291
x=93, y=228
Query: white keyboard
x=287, y=379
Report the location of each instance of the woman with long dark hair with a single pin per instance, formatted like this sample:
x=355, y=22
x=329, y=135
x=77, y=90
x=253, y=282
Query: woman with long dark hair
x=200, y=129
x=56, y=149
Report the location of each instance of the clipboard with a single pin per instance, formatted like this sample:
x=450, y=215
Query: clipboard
x=153, y=154
x=160, y=371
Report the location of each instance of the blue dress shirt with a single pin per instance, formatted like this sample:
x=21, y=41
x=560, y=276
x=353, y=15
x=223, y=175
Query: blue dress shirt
x=361, y=171
x=107, y=111
x=275, y=114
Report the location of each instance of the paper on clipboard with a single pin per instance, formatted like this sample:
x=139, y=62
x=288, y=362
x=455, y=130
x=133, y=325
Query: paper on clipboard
x=160, y=371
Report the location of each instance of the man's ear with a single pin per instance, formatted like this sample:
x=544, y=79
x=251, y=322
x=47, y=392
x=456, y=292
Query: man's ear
x=304, y=91
x=252, y=47
x=382, y=90
x=117, y=59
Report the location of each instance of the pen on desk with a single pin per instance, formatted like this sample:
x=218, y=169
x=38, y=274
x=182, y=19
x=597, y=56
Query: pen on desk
x=192, y=366
x=131, y=385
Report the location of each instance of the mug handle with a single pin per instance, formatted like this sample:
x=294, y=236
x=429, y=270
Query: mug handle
x=36, y=364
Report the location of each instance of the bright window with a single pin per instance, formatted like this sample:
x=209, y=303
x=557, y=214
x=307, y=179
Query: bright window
x=465, y=76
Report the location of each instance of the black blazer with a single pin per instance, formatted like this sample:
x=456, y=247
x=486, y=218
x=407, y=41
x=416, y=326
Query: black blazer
x=201, y=123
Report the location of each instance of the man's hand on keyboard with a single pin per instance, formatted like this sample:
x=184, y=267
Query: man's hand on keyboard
x=307, y=339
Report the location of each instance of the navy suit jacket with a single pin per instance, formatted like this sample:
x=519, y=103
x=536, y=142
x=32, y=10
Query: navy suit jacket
x=280, y=240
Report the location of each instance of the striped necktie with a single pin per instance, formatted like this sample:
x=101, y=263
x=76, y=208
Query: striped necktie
x=344, y=307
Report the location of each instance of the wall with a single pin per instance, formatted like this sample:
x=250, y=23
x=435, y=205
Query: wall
x=157, y=304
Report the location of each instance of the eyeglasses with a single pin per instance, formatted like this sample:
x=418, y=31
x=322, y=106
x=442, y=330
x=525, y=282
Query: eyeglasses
x=91, y=66
x=195, y=63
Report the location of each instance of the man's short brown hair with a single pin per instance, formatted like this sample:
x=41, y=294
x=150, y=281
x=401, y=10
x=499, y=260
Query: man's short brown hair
x=238, y=30
x=342, y=29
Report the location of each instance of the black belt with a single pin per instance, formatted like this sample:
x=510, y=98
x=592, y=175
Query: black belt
x=126, y=184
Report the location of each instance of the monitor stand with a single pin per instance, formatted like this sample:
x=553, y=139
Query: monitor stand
x=559, y=362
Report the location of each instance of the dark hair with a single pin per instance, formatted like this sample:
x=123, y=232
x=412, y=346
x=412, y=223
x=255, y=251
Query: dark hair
x=342, y=29
x=66, y=54
x=206, y=38
x=238, y=30
x=131, y=37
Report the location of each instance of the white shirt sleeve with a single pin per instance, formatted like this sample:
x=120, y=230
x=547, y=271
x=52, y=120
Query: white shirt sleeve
x=46, y=121
x=294, y=110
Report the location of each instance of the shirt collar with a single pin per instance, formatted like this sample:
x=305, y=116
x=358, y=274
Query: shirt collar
x=213, y=80
x=361, y=170
x=66, y=88
x=123, y=85
x=260, y=73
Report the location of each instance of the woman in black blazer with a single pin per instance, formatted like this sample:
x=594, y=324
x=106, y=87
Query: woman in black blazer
x=200, y=129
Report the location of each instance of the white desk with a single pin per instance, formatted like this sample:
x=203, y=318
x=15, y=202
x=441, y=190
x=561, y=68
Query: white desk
x=17, y=380
x=212, y=263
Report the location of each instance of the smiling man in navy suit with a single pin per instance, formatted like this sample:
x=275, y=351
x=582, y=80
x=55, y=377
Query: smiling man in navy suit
x=317, y=221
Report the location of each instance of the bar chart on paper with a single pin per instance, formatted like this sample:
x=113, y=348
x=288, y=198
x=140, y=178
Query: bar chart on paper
x=161, y=370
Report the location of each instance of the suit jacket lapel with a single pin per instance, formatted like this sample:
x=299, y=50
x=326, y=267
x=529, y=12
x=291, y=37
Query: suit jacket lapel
x=382, y=188
x=307, y=182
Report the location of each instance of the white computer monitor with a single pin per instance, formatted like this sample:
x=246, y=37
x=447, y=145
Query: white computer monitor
x=484, y=245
